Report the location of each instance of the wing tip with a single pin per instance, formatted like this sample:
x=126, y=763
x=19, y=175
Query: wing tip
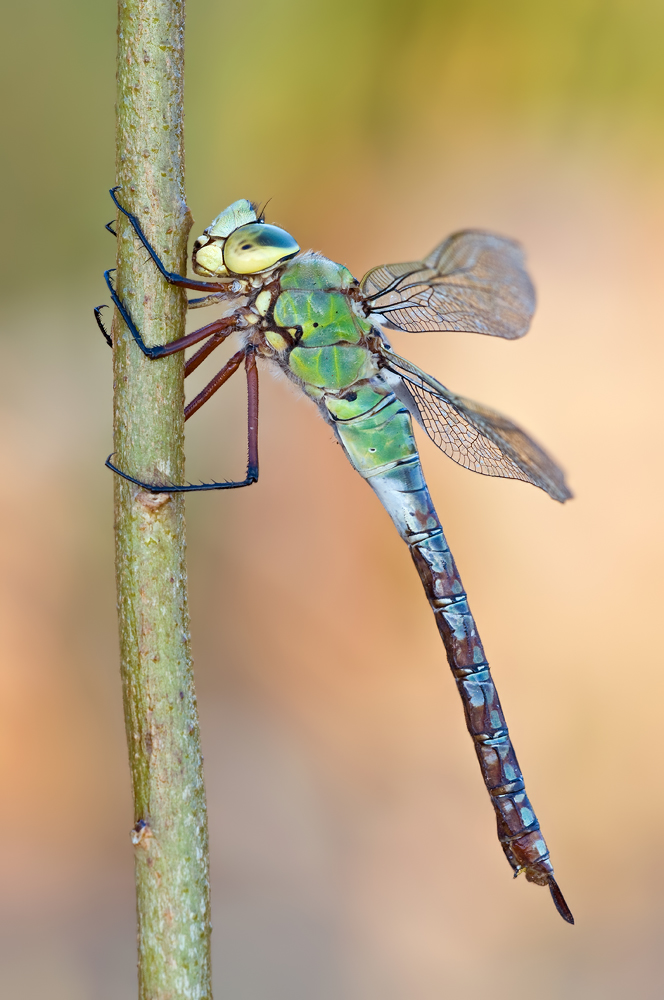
x=561, y=492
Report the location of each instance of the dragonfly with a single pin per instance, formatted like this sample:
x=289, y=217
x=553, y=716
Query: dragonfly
x=308, y=317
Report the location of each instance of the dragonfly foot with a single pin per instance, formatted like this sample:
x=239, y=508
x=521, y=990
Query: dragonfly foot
x=100, y=324
x=172, y=277
x=150, y=352
x=252, y=477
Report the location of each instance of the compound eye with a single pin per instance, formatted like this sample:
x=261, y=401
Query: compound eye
x=257, y=247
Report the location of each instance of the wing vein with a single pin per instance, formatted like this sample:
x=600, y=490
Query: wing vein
x=475, y=436
x=473, y=281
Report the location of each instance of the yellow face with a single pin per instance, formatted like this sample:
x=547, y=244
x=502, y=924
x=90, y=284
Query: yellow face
x=249, y=249
x=208, y=257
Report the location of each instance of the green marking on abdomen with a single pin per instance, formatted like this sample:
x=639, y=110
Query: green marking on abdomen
x=381, y=438
x=353, y=404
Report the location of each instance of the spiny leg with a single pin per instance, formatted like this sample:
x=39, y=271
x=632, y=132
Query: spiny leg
x=216, y=294
x=252, y=428
x=193, y=304
x=219, y=379
x=219, y=329
x=203, y=352
x=193, y=362
x=100, y=324
x=213, y=299
x=252, y=415
x=171, y=276
x=162, y=350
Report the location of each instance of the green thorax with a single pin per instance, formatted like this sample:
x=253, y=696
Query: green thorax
x=332, y=359
x=316, y=308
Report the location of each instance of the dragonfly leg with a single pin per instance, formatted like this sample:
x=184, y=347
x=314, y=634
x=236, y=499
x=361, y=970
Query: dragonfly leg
x=100, y=324
x=172, y=277
x=162, y=350
x=203, y=352
x=214, y=298
x=219, y=379
x=229, y=368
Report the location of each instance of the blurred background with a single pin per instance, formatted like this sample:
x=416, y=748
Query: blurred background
x=353, y=845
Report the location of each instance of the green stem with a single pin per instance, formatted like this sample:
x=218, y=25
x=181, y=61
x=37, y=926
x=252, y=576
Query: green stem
x=171, y=852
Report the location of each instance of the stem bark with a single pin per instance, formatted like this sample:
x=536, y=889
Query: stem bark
x=170, y=835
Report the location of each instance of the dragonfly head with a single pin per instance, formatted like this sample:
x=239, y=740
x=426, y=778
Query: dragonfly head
x=238, y=242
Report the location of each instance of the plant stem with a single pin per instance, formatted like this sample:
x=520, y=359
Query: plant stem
x=171, y=853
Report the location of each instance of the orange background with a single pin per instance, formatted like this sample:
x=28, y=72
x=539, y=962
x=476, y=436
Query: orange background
x=353, y=846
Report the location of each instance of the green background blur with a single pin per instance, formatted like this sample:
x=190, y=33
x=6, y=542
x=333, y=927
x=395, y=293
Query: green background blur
x=353, y=845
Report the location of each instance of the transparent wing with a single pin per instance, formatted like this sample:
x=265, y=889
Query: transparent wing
x=473, y=281
x=473, y=435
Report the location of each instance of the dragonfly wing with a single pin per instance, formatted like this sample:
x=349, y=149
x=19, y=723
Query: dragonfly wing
x=473, y=281
x=475, y=436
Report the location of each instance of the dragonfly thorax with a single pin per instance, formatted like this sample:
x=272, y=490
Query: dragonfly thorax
x=319, y=338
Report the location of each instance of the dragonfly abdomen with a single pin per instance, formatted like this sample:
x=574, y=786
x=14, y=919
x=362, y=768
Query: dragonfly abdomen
x=399, y=484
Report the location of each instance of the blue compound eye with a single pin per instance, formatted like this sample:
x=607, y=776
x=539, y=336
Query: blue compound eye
x=257, y=247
